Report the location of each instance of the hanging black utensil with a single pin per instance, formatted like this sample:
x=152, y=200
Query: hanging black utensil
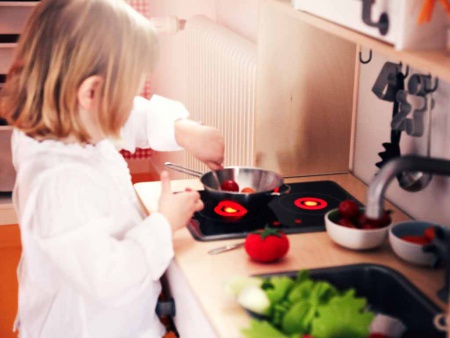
x=416, y=104
x=390, y=81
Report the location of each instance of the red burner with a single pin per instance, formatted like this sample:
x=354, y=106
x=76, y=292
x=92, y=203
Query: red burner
x=310, y=203
x=230, y=210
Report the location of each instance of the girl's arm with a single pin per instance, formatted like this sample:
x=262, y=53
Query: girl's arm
x=162, y=124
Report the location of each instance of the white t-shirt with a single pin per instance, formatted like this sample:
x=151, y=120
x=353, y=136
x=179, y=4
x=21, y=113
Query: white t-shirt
x=91, y=260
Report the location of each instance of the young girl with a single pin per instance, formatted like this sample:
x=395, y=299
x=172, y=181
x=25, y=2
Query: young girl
x=91, y=259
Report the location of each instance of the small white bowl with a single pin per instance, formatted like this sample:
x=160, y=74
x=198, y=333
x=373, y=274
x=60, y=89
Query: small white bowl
x=355, y=239
x=410, y=252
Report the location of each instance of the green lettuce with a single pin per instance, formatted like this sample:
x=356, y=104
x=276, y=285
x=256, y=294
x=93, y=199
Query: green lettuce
x=262, y=329
x=304, y=306
x=277, y=287
x=343, y=317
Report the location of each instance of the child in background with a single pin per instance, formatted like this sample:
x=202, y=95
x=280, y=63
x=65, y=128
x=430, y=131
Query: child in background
x=92, y=259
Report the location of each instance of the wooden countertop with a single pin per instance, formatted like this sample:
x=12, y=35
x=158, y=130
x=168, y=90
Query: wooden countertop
x=206, y=274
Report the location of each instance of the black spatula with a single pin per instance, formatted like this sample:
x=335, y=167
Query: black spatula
x=389, y=82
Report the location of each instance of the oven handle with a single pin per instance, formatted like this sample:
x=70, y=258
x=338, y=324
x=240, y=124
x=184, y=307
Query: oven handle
x=225, y=248
x=282, y=190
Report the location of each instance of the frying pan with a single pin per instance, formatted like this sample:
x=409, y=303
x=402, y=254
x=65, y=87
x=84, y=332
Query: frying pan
x=266, y=184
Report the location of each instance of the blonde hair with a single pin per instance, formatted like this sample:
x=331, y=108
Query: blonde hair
x=64, y=43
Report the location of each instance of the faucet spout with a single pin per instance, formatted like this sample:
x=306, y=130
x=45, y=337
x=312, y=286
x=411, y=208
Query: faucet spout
x=378, y=186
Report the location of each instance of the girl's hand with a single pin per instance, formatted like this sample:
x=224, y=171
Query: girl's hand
x=180, y=207
x=204, y=142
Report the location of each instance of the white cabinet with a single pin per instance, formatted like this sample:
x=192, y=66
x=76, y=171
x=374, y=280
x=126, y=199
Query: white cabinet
x=391, y=21
x=434, y=61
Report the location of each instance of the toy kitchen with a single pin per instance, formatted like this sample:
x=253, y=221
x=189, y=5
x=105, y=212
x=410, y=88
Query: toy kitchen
x=334, y=104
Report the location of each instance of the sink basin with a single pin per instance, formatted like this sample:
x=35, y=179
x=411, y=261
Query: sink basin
x=387, y=291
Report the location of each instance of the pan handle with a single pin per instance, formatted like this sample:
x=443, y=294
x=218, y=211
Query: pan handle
x=182, y=169
x=283, y=190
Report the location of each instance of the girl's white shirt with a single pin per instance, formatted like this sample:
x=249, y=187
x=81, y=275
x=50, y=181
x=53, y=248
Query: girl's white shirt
x=91, y=259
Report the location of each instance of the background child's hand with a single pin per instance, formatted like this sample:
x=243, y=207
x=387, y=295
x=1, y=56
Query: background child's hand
x=177, y=208
x=204, y=142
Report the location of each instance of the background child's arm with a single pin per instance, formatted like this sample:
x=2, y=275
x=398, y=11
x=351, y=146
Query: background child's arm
x=204, y=142
x=162, y=124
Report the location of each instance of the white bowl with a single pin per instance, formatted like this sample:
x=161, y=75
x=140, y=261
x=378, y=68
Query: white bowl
x=355, y=239
x=410, y=252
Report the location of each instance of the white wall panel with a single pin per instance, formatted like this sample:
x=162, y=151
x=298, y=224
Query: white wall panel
x=240, y=16
x=373, y=128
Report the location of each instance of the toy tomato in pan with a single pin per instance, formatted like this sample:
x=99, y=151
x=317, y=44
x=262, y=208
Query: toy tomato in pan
x=267, y=246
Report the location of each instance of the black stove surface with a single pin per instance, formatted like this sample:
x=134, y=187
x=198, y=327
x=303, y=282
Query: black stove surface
x=300, y=211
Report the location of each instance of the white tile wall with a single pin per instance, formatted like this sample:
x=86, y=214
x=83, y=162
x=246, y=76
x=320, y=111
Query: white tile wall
x=373, y=128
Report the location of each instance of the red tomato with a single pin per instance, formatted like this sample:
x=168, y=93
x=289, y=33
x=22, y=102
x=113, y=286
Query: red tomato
x=266, y=246
x=429, y=233
x=361, y=220
x=229, y=185
x=369, y=226
x=421, y=240
x=345, y=222
x=348, y=209
x=248, y=190
x=381, y=222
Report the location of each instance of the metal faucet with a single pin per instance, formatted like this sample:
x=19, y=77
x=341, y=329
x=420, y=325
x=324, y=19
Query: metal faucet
x=378, y=186
x=375, y=209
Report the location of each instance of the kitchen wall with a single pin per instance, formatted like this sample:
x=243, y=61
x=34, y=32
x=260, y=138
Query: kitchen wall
x=373, y=129
x=238, y=15
x=241, y=16
x=373, y=115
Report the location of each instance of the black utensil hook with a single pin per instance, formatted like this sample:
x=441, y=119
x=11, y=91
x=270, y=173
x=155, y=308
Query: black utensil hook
x=383, y=21
x=435, y=87
x=405, y=75
x=365, y=61
x=422, y=85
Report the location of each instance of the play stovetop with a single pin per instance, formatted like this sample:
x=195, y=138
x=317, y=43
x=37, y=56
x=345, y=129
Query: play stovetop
x=300, y=211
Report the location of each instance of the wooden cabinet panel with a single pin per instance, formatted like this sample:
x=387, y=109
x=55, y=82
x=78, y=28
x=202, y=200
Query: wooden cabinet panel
x=305, y=96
